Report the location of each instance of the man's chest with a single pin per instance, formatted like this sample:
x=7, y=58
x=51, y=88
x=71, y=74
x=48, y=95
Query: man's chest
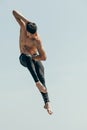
x=30, y=43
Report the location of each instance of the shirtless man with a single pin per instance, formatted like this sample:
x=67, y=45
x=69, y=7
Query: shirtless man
x=31, y=54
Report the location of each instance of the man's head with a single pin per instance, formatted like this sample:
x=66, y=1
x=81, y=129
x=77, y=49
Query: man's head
x=31, y=27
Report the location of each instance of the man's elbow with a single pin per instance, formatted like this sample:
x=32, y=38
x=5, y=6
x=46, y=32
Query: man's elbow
x=13, y=12
x=44, y=58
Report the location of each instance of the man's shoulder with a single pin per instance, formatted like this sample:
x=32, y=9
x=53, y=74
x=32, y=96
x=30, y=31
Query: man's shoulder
x=38, y=39
x=38, y=42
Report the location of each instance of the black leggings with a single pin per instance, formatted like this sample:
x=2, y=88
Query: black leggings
x=37, y=71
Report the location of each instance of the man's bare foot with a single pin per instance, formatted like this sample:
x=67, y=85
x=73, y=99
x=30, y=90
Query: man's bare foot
x=48, y=107
x=41, y=87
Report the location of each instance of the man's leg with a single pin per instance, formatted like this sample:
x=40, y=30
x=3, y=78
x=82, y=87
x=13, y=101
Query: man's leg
x=27, y=61
x=40, y=72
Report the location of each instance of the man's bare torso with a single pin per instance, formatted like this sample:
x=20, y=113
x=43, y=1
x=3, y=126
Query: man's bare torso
x=28, y=44
x=28, y=47
x=31, y=44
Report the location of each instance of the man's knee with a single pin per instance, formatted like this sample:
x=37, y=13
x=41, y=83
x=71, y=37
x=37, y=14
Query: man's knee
x=22, y=60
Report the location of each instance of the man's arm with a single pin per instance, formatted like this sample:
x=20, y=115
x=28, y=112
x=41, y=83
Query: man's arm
x=20, y=18
x=41, y=52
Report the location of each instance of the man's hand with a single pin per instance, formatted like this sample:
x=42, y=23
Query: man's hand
x=38, y=58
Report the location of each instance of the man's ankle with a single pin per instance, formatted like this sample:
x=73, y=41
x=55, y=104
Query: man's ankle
x=38, y=82
x=41, y=87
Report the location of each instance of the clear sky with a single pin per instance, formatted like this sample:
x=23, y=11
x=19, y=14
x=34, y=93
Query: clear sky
x=62, y=25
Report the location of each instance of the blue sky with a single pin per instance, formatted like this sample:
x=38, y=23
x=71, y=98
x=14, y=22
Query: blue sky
x=63, y=28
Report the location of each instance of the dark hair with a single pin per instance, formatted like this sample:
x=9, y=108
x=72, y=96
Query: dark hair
x=31, y=27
